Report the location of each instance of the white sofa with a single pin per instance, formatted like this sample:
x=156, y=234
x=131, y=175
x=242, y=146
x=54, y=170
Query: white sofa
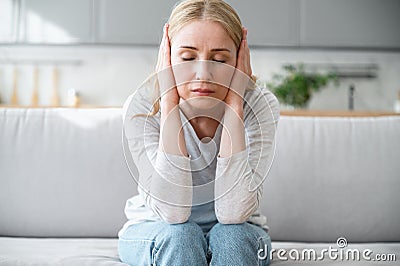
x=64, y=183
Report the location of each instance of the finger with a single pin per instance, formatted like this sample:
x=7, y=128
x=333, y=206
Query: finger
x=239, y=63
x=246, y=53
x=161, y=53
x=244, y=33
x=165, y=34
x=164, y=37
x=165, y=74
x=243, y=58
x=167, y=47
x=247, y=59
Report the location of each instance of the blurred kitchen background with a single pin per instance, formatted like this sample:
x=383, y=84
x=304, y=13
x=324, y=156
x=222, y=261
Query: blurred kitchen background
x=97, y=52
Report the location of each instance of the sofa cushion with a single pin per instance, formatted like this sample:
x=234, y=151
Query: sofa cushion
x=335, y=177
x=15, y=251
x=62, y=172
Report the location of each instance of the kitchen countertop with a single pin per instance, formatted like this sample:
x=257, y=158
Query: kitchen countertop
x=298, y=112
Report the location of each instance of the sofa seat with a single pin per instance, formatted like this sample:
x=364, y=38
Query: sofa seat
x=17, y=251
x=385, y=249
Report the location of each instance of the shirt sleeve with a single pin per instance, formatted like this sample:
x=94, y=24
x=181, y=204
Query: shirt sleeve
x=239, y=178
x=164, y=180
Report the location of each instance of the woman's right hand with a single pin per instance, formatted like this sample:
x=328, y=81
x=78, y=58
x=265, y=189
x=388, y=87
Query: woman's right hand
x=168, y=91
x=172, y=140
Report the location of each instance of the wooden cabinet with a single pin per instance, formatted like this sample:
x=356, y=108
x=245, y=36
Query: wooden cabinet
x=132, y=22
x=270, y=22
x=350, y=23
x=44, y=21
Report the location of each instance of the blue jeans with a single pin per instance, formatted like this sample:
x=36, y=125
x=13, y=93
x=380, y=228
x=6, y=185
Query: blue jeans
x=160, y=243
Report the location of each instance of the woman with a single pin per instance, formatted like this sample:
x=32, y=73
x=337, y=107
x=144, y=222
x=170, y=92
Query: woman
x=201, y=148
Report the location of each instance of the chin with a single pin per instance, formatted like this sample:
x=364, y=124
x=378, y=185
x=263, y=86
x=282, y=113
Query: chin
x=202, y=106
x=204, y=102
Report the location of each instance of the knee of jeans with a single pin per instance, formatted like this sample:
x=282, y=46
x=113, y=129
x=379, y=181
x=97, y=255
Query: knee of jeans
x=235, y=231
x=227, y=228
x=186, y=231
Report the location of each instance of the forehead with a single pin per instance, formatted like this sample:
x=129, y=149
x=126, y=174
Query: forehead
x=203, y=34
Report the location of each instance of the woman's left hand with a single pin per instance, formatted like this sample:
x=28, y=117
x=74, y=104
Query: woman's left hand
x=242, y=75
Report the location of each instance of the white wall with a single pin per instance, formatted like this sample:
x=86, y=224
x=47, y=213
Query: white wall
x=108, y=74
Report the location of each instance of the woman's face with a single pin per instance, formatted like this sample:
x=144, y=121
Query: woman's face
x=203, y=40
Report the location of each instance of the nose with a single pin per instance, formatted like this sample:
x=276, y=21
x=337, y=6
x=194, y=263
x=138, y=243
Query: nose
x=203, y=70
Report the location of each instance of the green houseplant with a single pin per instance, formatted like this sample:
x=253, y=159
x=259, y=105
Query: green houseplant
x=296, y=87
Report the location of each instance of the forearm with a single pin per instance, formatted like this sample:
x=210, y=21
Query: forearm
x=172, y=140
x=170, y=194
x=236, y=195
x=171, y=188
x=233, y=132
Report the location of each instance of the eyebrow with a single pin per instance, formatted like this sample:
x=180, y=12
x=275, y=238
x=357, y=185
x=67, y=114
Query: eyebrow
x=212, y=50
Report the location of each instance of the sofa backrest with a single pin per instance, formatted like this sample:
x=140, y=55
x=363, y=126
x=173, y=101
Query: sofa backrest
x=335, y=177
x=63, y=174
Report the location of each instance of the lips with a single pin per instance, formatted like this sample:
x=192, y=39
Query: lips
x=200, y=90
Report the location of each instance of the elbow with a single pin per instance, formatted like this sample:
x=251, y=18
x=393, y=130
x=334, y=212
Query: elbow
x=180, y=217
x=176, y=220
x=170, y=214
x=231, y=218
x=237, y=215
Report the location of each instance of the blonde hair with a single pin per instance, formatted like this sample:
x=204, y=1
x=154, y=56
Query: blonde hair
x=212, y=10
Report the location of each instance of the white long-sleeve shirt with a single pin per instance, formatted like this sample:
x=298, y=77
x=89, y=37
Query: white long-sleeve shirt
x=203, y=187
